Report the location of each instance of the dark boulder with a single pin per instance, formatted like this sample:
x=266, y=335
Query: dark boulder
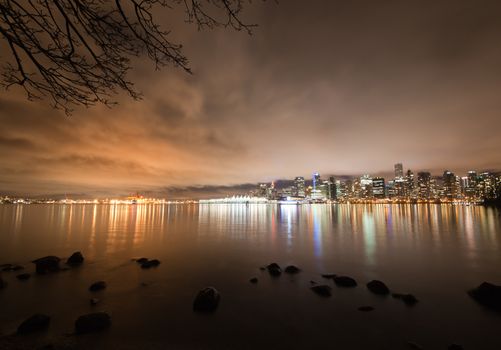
x=455, y=347
x=206, y=300
x=35, y=323
x=262, y=268
x=150, y=263
x=253, y=280
x=291, y=269
x=488, y=295
x=329, y=275
x=94, y=322
x=274, y=269
x=75, y=259
x=322, y=290
x=378, y=287
x=365, y=308
x=94, y=301
x=23, y=276
x=47, y=264
x=10, y=267
x=345, y=281
x=141, y=260
x=97, y=286
x=408, y=299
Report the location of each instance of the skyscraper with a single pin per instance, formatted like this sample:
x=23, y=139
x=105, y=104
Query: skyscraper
x=424, y=185
x=332, y=192
x=449, y=185
x=299, y=187
x=378, y=188
x=399, y=170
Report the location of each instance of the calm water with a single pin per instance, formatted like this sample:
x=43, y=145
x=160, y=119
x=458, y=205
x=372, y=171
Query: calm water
x=435, y=252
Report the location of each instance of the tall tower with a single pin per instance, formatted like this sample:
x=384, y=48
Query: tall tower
x=399, y=170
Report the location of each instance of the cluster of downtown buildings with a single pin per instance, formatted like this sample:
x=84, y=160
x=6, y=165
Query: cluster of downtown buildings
x=403, y=187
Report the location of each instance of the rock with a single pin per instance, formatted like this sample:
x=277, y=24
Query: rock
x=96, y=286
x=329, y=275
x=35, y=323
x=291, y=269
x=313, y=282
x=408, y=299
x=10, y=267
x=262, y=268
x=415, y=346
x=47, y=264
x=94, y=322
x=150, y=263
x=488, y=295
x=75, y=259
x=455, y=347
x=274, y=269
x=378, y=287
x=3, y=284
x=345, y=281
x=94, y=301
x=17, y=268
x=365, y=308
x=23, y=276
x=141, y=260
x=253, y=280
x=206, y=300
x=322, y=290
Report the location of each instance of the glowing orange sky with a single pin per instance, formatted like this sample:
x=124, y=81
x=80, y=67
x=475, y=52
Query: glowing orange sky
x=338, y=87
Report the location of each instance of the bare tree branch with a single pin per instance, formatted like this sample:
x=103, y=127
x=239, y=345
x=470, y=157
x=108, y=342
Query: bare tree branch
x=78, y=52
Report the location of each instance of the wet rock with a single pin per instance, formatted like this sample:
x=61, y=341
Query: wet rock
x=3, y=284
x=313, y=282
x=206, y=300
x=366, y=308
x=329, y=275
x=408, y=299
x=322, y=290
x=75, y=259
x=35, y=323
x=455, y=347
x=94, y=301
x=291, y=269
x=378, y=287
x=345, y=281
x=47, y=264
x=150, y=263
x=97, y=286
x=253, y=280
x=488, y=295
x=141, y=260
x=274, y=269
x=23, y=276
x=415, y=346
x=94, y=322
x=10, y=267
x=262, y=268
x=17, y=268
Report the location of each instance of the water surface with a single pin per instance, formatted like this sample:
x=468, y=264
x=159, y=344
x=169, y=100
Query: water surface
x=436, y=252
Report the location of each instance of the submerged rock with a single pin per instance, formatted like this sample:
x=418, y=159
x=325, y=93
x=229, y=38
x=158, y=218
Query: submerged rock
x=75, y=259
x=329, y=275
x=365, y=308
x=35, y=323
x=94, y=301
x=23, y=276
x=262, y=268
x=47, y=264
x=322, y=290
x=141, y=260
x=150, y=263
x=274, y=269
x=408, y=299
x=94, y=322
x=487, y=294
x=253, y=280
x=378, y=287
x=96, y=286
x=10, y=267
x=291, y=269
x=206, y=300
x=345, y=281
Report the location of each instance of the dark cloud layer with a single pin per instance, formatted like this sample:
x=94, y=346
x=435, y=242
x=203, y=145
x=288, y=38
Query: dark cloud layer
x=343, y=87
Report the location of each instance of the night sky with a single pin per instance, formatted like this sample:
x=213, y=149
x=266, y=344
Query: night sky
x=339, y=87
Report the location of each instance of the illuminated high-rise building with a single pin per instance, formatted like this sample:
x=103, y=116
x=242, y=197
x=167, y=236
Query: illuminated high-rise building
x=378, y=187
x=409, y=184
x=471, y=188
x=299, y=187
x=316, y=191
x=366, y=186
x=332, y=191
x=449, y=186
x=424, y=185
x=399, y=170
